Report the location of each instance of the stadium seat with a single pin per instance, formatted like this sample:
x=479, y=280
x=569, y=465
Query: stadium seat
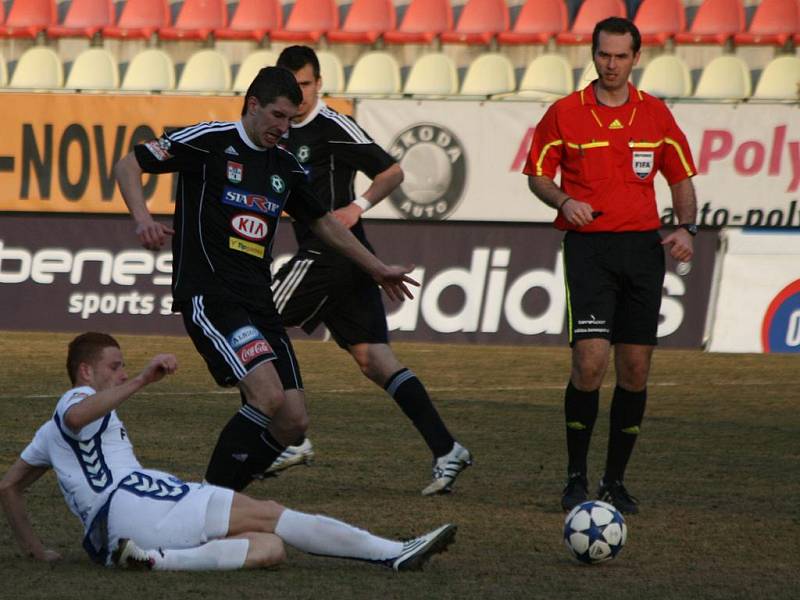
x=150, y=70
x=724, y=78
x=548, y=77
x=423, y=22
x=3, y=71
x=38, y=68
x=780, y=79
x=479, y=23
x=196, y=20
x=205, y=71
x=27, y=18
x=309, y=21
x=538, y=21
x=332, y=72
x=490, y=73
x=93, y=69
x=375, y=73
x=716, y=22
x=366, y=21
x=589, y=13
x=588, y=75
x=773, y=24
x=253, y=20
x=250, y=67
x=432, y=74
x=660, y=20
x=84, y=18
x=140, y=19
x=666, y=76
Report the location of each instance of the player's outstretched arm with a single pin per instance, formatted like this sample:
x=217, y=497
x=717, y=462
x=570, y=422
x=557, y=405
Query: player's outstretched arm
x=128, y=174
x=392, y=278
x=384, y=183
x=103, y=402
x=20, y=477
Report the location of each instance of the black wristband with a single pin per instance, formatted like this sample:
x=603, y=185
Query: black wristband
x=690, y=227
x=567, y=199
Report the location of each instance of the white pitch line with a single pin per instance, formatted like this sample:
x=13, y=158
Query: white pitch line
x=548, y=386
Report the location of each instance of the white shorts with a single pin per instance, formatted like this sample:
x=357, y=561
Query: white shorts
x=158, y=510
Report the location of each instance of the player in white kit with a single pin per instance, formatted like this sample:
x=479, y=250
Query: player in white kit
x=137, y=517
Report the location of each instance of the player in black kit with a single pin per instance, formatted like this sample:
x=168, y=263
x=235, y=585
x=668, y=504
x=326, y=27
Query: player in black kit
x=318, y=286
x=233, y=184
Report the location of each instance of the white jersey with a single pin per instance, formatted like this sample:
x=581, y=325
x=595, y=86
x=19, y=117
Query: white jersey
x=89, y=463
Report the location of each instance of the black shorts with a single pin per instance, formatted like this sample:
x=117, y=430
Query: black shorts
x=614, y=285
x=233, y=340
x=314, y=288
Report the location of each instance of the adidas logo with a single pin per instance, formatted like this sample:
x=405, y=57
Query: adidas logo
x=615, y=124
x=231, y=150
x=240, y=457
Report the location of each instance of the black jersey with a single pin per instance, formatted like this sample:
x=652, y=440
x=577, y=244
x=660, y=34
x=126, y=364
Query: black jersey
x=332, y=148
x=228, y=204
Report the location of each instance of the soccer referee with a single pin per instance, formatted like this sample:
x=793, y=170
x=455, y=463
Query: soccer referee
x=609, y=140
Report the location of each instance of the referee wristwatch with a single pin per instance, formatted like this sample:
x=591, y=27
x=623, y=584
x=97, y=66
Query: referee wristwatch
x=690, y=227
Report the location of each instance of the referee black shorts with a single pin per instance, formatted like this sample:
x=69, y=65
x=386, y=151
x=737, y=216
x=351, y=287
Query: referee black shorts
x=234, y=340
x=314, y=288
x=614, y=285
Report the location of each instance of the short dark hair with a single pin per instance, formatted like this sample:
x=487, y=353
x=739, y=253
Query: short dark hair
x=620, y=26
x=272, y=83
x=295, y=58
x=87, y=348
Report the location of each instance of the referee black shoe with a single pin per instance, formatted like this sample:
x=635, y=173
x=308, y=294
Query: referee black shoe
x=615, y=493
x=575, y=492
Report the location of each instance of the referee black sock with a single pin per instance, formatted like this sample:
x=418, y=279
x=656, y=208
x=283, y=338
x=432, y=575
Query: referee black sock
x=244, y=450
x=413, y=400
x=627, y=412
x=580, y=414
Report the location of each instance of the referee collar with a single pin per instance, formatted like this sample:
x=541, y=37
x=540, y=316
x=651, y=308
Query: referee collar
x=589, y=99
x=312, y=115
x=246, y=138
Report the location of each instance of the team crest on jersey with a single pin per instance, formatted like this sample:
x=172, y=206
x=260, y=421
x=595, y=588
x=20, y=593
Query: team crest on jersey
x=235, y=172
x=643, y=163
x=277, y=184
x=440, y=168
x=303, y=154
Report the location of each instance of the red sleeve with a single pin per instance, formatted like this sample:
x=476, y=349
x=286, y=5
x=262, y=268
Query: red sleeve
x=547, y=147
x=677, y=163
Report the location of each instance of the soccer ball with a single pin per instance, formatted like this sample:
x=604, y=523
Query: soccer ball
x=594, y=531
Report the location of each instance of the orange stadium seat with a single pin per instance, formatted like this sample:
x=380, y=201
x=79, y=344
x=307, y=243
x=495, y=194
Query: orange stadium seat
x=196, y=20
x=537, y=22
x=253, y=20
x=309, y=21
x=716, y=22
x=366, y=21
x=139, y=20
x=423, y=22
x=773, y=24
x=27, y=18
x=590, y=12
x=84, y=18
x=479, y=23
x=659, y=20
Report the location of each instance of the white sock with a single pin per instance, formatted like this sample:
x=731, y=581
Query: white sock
x=216, y=555
x=316, y=534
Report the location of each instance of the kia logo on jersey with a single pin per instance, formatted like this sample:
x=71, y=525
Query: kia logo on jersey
x=248, y=201
x=250, y=227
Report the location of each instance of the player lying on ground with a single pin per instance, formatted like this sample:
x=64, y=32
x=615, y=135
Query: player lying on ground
x=136, y=517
